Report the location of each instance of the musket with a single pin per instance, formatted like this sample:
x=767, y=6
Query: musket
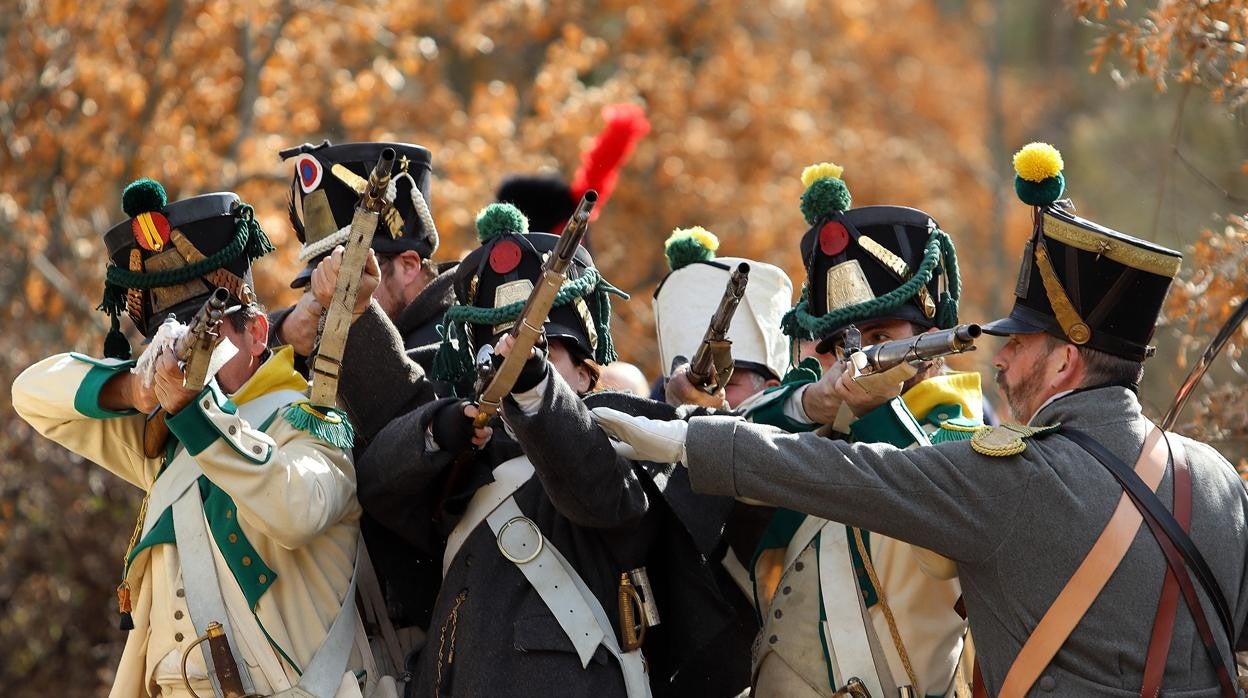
x=497, y=382
x=332, y=339
x=194, y=351
x=528, y=327
x=878, y=358
x=711, y=367
x=1198, y=371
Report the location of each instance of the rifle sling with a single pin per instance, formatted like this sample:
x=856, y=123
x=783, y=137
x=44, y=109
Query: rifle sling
x=1177, y=547
x=1163, y=622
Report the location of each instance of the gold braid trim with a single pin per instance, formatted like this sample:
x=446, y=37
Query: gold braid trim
x=888, y=611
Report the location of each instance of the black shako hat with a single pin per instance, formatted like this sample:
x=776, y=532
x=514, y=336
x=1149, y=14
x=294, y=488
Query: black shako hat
x=869, y=263
x=167, y=258
x=493, y=282
x=1079, y=281
x=326, y=187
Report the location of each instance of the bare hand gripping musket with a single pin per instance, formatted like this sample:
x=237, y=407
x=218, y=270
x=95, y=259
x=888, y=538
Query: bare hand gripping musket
x=878, y=358
x=332, y=342
x=711, y=367
x=528, y=327
x=194, y=350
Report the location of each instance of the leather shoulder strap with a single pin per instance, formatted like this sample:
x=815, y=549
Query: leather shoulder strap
x=1088, y=580
x=1167, y=607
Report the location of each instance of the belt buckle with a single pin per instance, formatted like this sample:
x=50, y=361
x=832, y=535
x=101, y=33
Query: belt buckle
x=518, y=559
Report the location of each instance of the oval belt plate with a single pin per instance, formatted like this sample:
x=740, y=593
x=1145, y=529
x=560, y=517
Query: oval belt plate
x=520, y=540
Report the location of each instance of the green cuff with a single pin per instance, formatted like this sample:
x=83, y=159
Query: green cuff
x=191, y=425
x=87, y=399
x=890, y=423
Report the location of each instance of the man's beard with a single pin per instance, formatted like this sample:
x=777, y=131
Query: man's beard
x=1020, y=398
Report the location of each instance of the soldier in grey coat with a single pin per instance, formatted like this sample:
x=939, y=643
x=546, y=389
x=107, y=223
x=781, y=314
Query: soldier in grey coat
x=1018, y=508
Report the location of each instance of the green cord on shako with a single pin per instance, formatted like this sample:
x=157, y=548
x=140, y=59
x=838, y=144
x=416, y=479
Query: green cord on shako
x=506, y=245
x=859, y=275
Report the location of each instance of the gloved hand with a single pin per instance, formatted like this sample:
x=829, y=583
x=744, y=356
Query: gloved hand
x=651, y=439
x=535, y=370
x=451, y=427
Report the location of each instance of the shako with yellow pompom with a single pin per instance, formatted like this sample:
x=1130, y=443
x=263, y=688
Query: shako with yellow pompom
x=689, y=295
x=872, y=262
x=1080, y=281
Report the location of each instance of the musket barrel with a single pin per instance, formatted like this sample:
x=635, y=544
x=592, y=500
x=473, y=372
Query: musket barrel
x=924, y=347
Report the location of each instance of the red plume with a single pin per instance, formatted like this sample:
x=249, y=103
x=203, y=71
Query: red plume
x=600, y=165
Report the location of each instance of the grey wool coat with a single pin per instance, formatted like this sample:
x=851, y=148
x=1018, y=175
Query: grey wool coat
x=490, y=633
x=1016, y=526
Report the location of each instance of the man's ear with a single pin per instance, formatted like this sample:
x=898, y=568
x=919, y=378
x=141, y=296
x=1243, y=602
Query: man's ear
x=1069, y=370
x=411, y=261
x=771, y=383
x=258, y=329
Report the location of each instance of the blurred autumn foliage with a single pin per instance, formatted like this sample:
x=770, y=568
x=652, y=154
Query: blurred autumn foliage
x=921, y=100
x=1203, y=44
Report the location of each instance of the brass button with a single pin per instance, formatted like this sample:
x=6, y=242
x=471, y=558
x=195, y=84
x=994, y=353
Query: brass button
x=799, y=566
x=207, y=403
x=233, y=537
x=246, y=561
x=177, y=637
x=264, y=578
x=229, y=513
x=779, y=613
x=233, y=430
x=180, y=593
x=787, y=590
x=256, y=449
x=177, y=615
x=773, y=639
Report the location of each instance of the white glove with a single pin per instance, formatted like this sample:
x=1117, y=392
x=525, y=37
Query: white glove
x=651, y=439
x=166, y=337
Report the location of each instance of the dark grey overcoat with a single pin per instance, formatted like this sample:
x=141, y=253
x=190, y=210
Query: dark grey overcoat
x=606, y=514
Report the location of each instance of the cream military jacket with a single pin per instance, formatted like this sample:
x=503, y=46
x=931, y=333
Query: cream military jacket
x=790, y=658
x=282, y=513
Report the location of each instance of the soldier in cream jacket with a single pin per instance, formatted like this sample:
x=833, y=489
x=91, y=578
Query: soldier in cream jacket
x=273, y=514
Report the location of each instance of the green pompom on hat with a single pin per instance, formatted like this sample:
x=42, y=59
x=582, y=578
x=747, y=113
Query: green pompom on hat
x=143, y=196
x=688, y=245
x=826, y=193
x=497, y=219
x=1038, y=179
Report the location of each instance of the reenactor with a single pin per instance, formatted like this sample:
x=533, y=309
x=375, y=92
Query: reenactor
x=1065, y=591
x=557, y=551
x=250, y=524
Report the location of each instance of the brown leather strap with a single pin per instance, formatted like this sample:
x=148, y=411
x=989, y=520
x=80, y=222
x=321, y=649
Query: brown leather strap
x=1177, y=564
x=978, y=690
x=1088, y=580
x=1163, y=624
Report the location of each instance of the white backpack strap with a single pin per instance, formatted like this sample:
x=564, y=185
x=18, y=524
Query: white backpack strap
x=199, y=579
x=853, y=648
x=565, y=594
x=508, y=477
x=184, y=471
x=323, y=674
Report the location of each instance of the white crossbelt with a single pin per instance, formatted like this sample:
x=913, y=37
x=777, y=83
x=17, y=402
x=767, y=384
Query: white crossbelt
x=323, y=674
x=853, y=647
x=555, y=580
x=184, y=471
